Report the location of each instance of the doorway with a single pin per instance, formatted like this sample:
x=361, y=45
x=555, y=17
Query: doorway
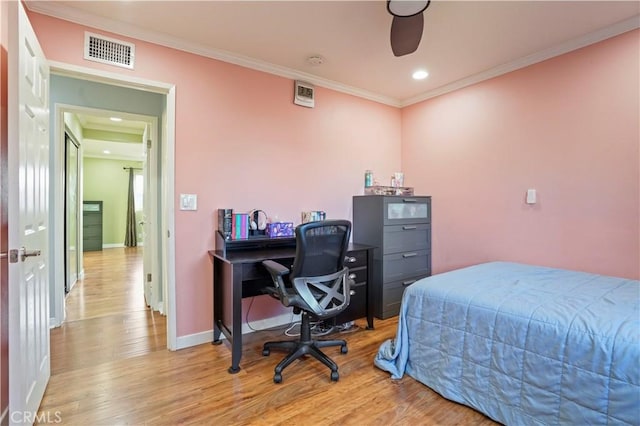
x=77, y=87
x=109, y=187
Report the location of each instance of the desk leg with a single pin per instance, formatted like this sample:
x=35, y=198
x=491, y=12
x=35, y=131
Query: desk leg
x=236, y=314
x=217, y=296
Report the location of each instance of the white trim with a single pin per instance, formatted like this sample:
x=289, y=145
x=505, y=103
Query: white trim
x=56, y=240
x=107, y=77
x=168, y=220
x=128, y=30
x=207, y=336
x=57, y=269
x=577, y=43
x=264, y=324
x=113, y=245
x=194, y=339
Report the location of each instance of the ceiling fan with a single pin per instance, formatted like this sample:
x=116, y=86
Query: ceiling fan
x=407, y=24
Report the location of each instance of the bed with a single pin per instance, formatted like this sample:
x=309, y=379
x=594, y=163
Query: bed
x=523, y=344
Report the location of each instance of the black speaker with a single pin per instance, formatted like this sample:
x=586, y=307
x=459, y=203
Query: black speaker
x=225, y=220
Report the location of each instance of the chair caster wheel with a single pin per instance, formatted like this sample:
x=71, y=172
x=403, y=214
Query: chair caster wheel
x=266, y=352
x=277, y=378
x=334, y=376
x=343, y=349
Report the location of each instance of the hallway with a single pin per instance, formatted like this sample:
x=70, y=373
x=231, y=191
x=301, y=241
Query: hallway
x=106, y=315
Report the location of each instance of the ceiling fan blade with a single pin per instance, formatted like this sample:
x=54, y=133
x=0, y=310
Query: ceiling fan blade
x=406, y=33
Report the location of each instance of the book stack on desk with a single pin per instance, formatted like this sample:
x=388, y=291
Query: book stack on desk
x=240, y=226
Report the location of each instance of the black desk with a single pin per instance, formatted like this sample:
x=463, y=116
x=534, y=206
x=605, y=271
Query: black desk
x=238, y=273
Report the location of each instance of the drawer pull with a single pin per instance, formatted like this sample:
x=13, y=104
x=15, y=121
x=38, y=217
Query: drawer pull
x=407, y=255
x=350, y=259
x=352, y=276
x=409, y=228
x=352, y=292
x=409, y=200
x=408, y=283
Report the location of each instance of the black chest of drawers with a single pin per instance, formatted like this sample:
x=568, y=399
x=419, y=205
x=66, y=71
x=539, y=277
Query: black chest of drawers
x=399, y=227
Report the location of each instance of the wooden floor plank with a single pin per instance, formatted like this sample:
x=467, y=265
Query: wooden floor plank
x=110, y=366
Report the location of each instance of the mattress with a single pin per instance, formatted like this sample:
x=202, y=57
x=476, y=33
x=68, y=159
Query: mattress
x=523, y=344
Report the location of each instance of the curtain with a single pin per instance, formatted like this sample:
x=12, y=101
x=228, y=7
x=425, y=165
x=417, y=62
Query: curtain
x=130, y=239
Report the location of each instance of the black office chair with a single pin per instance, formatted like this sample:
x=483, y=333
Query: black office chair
x=317, y=286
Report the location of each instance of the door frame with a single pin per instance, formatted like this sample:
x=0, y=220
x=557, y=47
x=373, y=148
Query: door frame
x=167, y=184
x=78, y=209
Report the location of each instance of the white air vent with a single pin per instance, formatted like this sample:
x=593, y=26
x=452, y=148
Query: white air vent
x=108, y=50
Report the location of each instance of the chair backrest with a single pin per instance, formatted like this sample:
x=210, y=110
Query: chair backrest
x=320, y=248
x=318, y=274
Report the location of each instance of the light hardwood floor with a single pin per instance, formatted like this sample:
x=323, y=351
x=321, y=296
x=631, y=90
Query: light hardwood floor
x=110, y=366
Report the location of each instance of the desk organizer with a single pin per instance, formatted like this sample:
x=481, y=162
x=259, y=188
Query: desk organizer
x=280, y=229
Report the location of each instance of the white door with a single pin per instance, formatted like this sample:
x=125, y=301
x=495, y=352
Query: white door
x=153, y=289
x=28, y=155
x=144, y=224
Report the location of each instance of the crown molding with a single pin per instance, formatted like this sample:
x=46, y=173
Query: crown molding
x=56, y=10
x=577, y=43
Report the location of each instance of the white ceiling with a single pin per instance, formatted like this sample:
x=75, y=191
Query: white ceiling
x=463, y=41
x=117, y=150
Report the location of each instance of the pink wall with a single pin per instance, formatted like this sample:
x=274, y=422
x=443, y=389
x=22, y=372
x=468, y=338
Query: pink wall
x=242, y=144
x=568, y=127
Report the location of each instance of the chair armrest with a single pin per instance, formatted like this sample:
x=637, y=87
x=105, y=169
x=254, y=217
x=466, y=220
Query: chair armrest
x=275, y=269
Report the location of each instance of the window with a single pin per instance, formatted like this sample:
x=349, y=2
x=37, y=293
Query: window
x=138, y=191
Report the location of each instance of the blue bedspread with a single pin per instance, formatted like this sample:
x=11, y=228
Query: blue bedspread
x=524, y=344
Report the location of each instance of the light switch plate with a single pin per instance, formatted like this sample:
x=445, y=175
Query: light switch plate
x=188, y=202
x=531, y=196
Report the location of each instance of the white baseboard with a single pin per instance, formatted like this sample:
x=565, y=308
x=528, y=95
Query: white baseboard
x=207, y=336
x=118, y=245
x=280, y=320
x=194, y=339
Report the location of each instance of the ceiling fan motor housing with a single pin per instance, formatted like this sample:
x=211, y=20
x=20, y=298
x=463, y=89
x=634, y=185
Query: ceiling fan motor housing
x=406, y=8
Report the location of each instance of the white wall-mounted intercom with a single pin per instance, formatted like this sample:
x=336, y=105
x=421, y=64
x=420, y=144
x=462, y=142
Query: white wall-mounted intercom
x=303, y=94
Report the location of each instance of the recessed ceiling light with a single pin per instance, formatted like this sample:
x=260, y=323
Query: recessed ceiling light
x=106, y=151
x=420, y=75
x=115, y=119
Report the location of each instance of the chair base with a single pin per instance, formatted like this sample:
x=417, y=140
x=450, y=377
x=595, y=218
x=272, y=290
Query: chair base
x=302, y=347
